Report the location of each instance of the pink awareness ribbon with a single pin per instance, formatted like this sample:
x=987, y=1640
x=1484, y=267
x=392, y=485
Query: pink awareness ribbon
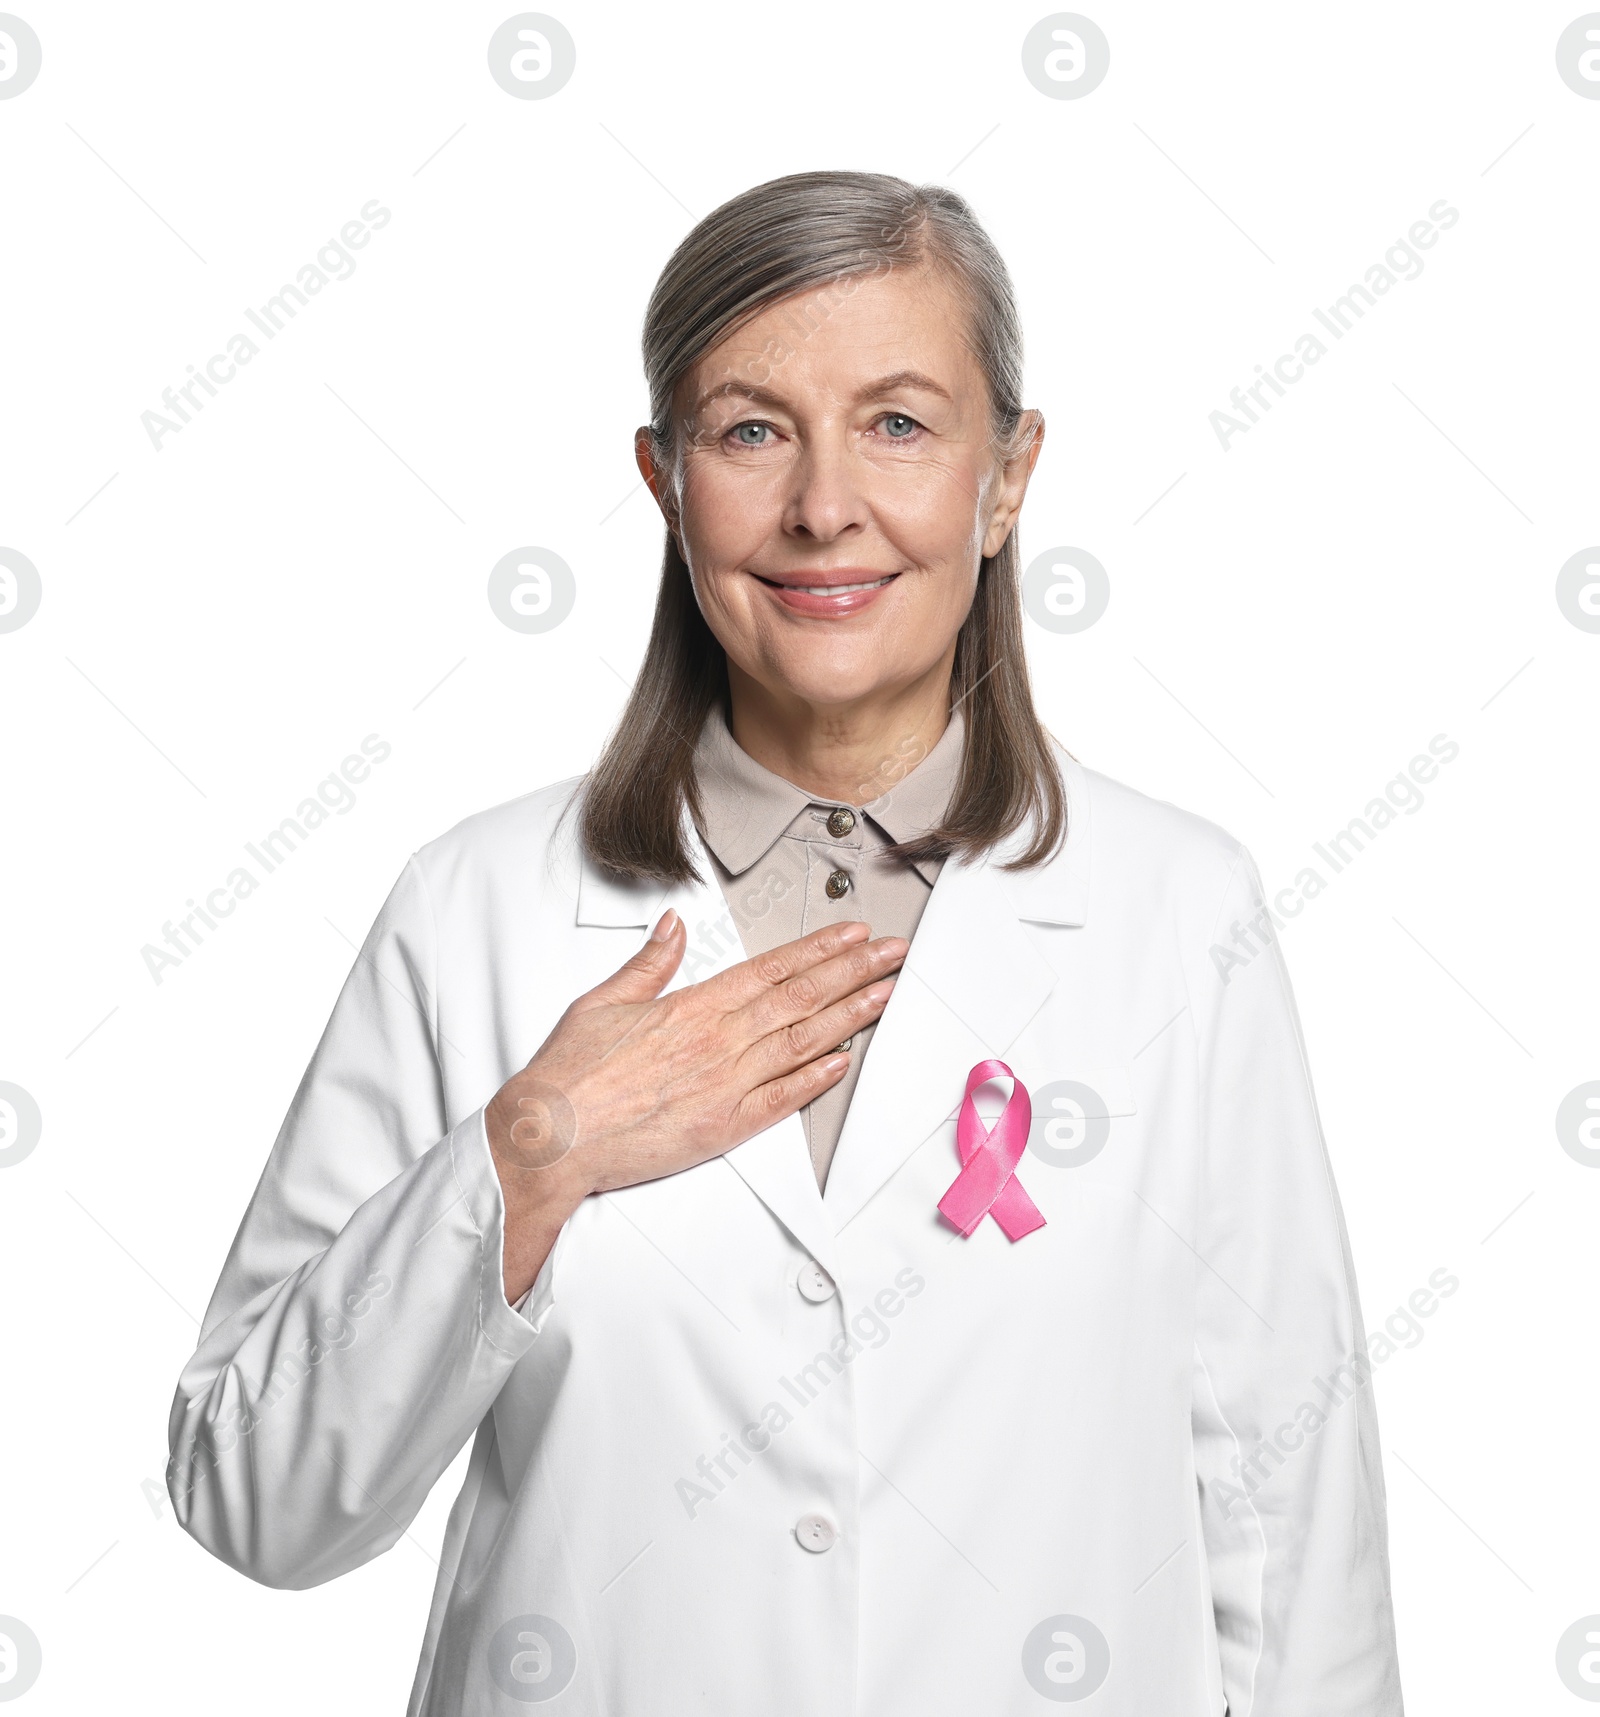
x=987, y=1184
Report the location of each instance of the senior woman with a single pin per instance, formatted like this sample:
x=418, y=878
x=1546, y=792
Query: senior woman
x=910, y=1279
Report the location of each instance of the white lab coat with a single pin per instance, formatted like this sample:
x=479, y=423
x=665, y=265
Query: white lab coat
x=1117, y=1460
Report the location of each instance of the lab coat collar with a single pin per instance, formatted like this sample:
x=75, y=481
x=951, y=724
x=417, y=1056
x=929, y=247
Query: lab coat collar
x=1057, y=893
x=971, y=983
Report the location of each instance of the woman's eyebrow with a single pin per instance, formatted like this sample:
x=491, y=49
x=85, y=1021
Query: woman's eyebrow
x=902, y=379
x=891, y=383
x=742, y=390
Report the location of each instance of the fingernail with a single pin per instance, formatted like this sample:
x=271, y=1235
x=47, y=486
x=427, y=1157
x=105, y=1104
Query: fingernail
x=668, y=923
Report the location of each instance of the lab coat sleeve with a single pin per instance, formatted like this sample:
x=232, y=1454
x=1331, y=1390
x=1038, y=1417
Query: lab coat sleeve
x=360, y=1329
x=1285, y=1433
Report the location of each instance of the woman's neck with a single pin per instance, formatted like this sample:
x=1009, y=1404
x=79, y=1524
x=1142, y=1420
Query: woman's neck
x=846, y=753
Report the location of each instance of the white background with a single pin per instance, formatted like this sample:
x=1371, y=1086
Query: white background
x=225, y=619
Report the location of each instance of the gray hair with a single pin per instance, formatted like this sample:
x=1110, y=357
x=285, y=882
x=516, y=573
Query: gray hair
x=825, y=233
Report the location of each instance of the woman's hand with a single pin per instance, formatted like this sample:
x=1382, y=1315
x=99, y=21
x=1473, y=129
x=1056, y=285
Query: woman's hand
x=632, y=1085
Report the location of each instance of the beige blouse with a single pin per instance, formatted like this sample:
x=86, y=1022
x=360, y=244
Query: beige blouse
x=789, y=863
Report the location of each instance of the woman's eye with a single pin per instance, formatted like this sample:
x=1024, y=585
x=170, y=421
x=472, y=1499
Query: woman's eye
x=751, y=434
x=898, y=427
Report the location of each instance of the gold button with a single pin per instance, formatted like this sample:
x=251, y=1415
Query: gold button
x=841, y=822
x=838, y=884
x=845, y=1045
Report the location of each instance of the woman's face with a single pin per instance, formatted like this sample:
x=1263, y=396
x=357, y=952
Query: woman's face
x=839, y=486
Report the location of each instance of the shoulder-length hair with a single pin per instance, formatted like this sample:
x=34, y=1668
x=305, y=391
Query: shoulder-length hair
x=822, y=233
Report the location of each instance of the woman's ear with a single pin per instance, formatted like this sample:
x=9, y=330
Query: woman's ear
x=1015, y=470
x=657, y=479
x=644, y=456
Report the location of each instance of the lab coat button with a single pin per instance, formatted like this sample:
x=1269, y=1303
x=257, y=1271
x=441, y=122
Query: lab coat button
x=815, y=1532
x=815, y=1282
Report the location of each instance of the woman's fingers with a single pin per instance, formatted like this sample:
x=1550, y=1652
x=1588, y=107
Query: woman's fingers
x=817, y=987
x=771, y=1102
x=756, y=977
x=641, y=1071
x=803, y=1040
x=642, y=978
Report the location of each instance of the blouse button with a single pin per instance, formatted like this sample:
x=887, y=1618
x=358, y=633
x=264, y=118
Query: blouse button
x=841, y=822
x=838, y=884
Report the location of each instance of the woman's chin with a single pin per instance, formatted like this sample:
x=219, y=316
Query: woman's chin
x=839, y=679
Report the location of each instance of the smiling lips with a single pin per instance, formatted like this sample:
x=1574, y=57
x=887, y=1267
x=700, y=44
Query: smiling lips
x=829, y=595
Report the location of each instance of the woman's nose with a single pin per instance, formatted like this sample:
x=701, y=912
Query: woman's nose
x=825, y=498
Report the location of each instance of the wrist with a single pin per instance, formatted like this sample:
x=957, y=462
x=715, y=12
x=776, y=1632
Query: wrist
x=545, y=1196
x=531, y=1130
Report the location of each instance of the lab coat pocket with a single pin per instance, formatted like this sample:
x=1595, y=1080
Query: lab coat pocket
x=1074, y=1111
x=1083, y=1114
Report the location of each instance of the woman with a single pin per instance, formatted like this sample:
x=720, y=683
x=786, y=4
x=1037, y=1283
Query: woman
x=780, y=1402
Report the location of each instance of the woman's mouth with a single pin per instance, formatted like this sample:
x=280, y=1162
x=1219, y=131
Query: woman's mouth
x=829, y=595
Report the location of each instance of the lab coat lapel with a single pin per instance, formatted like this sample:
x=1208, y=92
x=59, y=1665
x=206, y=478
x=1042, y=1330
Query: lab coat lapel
x=973, y=979
x=970, y=983
x=776, y=1163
